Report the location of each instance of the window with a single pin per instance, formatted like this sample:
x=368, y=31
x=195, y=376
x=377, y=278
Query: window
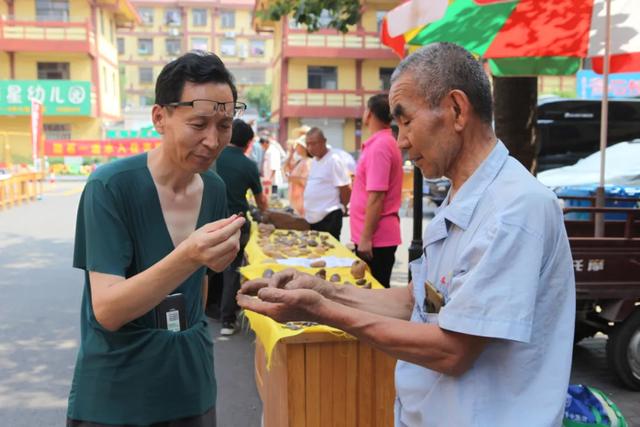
x=52, y=10
x=172, y=17
x=146, y=15
x=57, y=131
x=114, y=81
x=385, y=78
x=101, y=21
x=257, y=47
x=53, y=71
x=199, y=17
x=252, y=76
x=228, y=19
x=120, y=46
x=146, y=100
x=111, y=32
x=145, y=46
x=322, y=78
x=200, y=43
x=228, y=47
x=173, y=46
x=380, y=14
x=146, y=75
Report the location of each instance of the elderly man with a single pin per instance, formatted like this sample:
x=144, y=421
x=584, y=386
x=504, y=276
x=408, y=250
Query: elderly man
x=328, y=186
x=484, y=333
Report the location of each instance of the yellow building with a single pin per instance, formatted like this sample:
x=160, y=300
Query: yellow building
x=172, y=27
x=63, y=53
x=325, y=78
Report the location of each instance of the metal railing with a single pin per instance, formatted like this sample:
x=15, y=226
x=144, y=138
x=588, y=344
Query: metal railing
x=21, y=29
x=20, y=188
x=358, y=40
x=327, y=98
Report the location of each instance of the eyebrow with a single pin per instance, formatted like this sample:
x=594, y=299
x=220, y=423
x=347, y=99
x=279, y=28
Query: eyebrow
x=398, y=111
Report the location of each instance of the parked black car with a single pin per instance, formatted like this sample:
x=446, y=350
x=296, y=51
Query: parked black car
x=569, y=129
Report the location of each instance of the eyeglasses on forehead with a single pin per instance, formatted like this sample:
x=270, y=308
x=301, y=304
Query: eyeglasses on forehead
x=208, y=107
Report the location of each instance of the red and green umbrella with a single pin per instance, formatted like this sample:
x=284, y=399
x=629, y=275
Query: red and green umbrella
x=538, y=37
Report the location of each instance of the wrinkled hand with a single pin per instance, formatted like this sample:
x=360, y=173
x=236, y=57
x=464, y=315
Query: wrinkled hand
x=215, y=244
x=284, y=305
x=290, y=279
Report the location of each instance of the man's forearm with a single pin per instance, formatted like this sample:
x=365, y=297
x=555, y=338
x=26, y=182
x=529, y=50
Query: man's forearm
x=345, y=195
x=394, y=302
x=261, y=201
x=426, y=345
x=375, y=202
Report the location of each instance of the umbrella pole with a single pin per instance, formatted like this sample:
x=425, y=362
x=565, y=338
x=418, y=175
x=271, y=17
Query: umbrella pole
x=604, y=123
x=415, y=249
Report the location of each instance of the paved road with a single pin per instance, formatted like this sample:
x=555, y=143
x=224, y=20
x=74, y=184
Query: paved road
x=39, y=325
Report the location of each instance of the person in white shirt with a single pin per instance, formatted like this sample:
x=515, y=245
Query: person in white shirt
x=271, y=164
x=328, y=187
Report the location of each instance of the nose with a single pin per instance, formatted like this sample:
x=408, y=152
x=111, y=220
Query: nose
x=403, y=141
x=211, y=139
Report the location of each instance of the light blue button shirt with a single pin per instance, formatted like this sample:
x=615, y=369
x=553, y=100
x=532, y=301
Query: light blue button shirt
x=499, y=255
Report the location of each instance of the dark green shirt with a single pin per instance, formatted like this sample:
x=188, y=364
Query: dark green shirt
x=240, y=174
x=139, y=374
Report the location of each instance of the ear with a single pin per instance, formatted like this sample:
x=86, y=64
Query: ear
x=158, y=117
x=461, y=108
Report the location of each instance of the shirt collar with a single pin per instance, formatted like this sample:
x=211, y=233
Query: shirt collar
x=460, y=210
x=375, y=137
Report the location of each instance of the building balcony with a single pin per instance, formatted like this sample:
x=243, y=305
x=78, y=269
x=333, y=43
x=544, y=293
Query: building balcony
x=33, y=36
x=330, y=44
x=325, y=103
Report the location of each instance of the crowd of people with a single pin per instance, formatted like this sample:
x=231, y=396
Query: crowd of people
x=482, y=334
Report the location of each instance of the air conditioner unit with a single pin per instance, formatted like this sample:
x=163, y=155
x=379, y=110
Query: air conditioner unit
x=174, y=32
x=230, y=34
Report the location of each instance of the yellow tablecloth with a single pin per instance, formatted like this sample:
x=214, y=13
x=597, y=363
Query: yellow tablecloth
x=268, y=331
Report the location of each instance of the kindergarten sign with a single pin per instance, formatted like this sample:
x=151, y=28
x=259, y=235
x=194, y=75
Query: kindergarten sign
x=58, y=97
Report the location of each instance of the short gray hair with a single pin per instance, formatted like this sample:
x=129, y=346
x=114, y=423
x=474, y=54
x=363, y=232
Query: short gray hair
x=441, y=67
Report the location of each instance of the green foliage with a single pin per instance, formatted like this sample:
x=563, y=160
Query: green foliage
x=342, y=13
x=260, y=98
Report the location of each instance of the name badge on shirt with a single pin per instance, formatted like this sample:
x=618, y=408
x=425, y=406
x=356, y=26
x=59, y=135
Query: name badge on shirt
x=433, y=299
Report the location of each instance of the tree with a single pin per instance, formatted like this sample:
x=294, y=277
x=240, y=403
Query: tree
x=260, y=97
x=314, y=13
x=515, y=106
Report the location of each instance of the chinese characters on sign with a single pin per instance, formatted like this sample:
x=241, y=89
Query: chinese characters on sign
x=580, y=265
x=118, y=148
x=622, y=85
x=58, y=97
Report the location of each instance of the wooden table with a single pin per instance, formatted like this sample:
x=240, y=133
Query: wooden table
x=319, y=376
x=319, y=380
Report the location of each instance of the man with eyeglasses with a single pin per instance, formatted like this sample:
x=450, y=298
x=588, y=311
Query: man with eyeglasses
x=148, y=228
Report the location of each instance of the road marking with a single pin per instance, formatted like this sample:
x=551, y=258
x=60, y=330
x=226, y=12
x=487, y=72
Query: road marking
x=71, y=192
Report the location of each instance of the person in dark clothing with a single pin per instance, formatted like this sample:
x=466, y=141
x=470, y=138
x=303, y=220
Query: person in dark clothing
x=239, y=174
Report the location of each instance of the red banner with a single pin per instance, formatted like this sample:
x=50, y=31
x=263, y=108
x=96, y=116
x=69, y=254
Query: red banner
x=108, y=148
